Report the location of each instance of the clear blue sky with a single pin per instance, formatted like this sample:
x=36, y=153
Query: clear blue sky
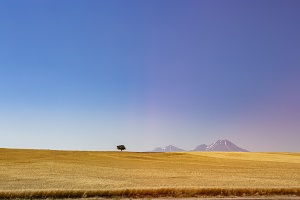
x=90, y=75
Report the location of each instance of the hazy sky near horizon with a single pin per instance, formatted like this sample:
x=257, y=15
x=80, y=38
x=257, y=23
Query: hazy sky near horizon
x=90, y=75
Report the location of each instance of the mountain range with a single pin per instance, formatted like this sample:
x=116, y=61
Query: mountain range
x=220, y=145
x=169, y=148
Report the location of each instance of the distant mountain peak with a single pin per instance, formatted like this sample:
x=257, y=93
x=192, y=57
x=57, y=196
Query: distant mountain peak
x=169, y=148
x=201, y=147
x=223, y=145
x=220, y=145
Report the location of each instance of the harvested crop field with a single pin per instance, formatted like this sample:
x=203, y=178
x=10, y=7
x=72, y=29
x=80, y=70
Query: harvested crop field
x=48, y=173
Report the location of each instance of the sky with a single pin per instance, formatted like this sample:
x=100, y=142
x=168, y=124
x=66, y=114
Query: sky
x=90, y=75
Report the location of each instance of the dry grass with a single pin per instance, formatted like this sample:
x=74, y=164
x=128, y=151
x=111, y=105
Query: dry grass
x=45, y=173
x=152, y=193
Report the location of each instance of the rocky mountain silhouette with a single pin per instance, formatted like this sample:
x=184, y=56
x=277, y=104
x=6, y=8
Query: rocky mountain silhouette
x=220, y=145
x=201, y=147
x=169, y=148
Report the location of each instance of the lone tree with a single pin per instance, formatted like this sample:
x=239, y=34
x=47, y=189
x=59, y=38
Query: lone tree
x=121, y=147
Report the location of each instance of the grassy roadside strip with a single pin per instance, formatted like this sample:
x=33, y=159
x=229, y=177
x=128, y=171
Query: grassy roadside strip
x=153, y=193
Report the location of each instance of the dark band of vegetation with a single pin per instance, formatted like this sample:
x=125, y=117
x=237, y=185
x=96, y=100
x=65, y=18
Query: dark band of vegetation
x=160, y=192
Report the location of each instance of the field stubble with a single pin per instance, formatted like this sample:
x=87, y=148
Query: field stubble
x=47, y=173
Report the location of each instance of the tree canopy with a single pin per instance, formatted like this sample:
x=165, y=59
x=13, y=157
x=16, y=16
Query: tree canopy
x=121, y=147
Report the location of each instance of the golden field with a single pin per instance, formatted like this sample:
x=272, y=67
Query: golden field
x=87, y=173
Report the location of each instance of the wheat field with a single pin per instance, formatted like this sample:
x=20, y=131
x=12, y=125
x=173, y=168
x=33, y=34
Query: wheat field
x=48, y=173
